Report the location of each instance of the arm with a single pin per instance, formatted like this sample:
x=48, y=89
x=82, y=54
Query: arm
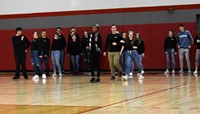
x=106, y=44
x=190, y=38
x=27, y=43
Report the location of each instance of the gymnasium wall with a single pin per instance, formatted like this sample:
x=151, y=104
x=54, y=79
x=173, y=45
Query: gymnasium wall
x=152, y=22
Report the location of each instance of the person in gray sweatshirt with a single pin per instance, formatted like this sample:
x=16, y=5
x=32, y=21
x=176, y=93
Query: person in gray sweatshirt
x=185, y=41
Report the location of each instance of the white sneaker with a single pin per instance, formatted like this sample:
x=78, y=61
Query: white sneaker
x=189, y=71
x=60, y=75
x=44, y=76
x=36, y=77
x=54, y=74
x=173, y=71
x=195, y=72
x=142, y=72
x=166, y=72
x=130, y=74
x=140, y=77
x=124, y=78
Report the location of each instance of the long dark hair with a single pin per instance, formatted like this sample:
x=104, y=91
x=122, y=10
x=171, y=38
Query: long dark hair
x=172, y=32
x=140, y=37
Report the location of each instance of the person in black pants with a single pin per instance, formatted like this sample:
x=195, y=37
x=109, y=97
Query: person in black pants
x=45, y=50
x=86, y=52
x=72, y=32
x=20, y=45
x=62, y=51
x=95, y=42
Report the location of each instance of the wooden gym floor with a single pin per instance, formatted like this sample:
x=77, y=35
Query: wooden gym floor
x=157, y=94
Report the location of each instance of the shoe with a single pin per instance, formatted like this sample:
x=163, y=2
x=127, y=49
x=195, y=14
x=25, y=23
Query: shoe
x=92, y=80
x=189, y=71
x=60, y=75
x=112, y=78
x=181, y=71
x=54, y=74
x=166, y=72
x=124, y=78
x=142, y=72
x=130, y=74
x=15, y=78
x=195, y=72
x=173, y=71
x=44, y=76
x=120, y=74
x=98, y=80
x=36, y=77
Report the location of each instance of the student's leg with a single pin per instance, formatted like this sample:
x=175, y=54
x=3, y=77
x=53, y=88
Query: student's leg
x=168, y=60
x=173, y=59
x=135, y=57
x=77, y=59
x=23, y=61
x=17, y=65
x=116, y=62
x=197, y=59
x=57, y=61
x=53, y=62
x=92, y=63
x=181, y=52
x=73, y=64
x=187, y=56
x=62, y=60
x=97, y=63
x=111, y=63
x=129, y=62
x=46, y=61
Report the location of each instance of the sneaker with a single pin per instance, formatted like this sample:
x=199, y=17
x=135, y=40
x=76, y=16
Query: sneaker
x=181, y=71
x=124, y=78
x=130, y=74
x=54, y=74
x=142, y=72
x=195, y=72
x=166, y=72
x=60, y=75
x=189, y=71
x=44, y=76
x=36, y=77
x=120, y=74
x=173, y=71
x=92, y=79
x=112, y=78
x=98, y=80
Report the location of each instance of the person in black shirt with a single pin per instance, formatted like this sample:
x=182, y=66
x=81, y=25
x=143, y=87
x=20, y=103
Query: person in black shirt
x=170, y=51
x=197, y=59
x=95, y=42
x=72, y=32
x=74, y=51
x=20, y=45
x=36, y=55
x=86, y=53
x=62, y=50
x=113, y=42
x=45, y=50
x=55, y=55
x=140, y=49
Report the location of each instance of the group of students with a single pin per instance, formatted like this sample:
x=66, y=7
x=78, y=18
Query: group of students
x=124, y=50
x=184, y=42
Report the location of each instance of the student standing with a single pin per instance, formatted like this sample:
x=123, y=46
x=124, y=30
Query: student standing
x=55, y=54
x=74, y=51
x=62, y=50
x=45, y=50
x=20, y=45
x=114, y=45
x=36, y=55
x=197, y=59
x=95, y=42
x=185, y=41
x=170, y=51
x=86, y=53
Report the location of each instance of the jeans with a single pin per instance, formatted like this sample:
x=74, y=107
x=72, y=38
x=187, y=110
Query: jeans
x=140, y=59
x=113, y=58
x=86, y=60
x=20, y=60
x=75, y=63
x=129, y=63
x=132, y=56
x=95, y=59
x=62, y=60
x=170, y=54
x=183, y=51
x=197, y=62
x=36, y=62
x=55, y=56
x=46, y=62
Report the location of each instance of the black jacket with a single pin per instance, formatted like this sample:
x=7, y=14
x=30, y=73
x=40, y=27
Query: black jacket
x=56, y=44
x=170, y=43
x=113, y=38
x=195, y=42
x=36, y=44
x=20, y=45
x=85, y=42
x=140, y=46
x=63, y=41
x=74, y=48
x=70, y=40
x=95, y=46
x=45, y=46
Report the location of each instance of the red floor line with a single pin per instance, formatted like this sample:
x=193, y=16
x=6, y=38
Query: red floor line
x=132, y=98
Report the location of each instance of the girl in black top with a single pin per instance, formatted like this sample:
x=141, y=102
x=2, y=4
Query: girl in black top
x=86, y=53
x=74, y=50
x=36, y=55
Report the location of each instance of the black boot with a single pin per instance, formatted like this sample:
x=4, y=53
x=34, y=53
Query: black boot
x=92, y=80
x=15, y=78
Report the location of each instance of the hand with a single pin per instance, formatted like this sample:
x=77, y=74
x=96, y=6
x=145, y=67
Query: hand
x=22, y=38
x=104, y=53
x=198, y=41
x=68, y=54
x=25, y=50
x=175, y=53
x=45, y=56
x=189, y=46
x=166, y=52
x=40, y=56
x=114, y=44
x=143, y=55
x=81, y=53
x=96, y=39
x=178, y=46
x=134, y=47
x=122, y=41
x=87, y=47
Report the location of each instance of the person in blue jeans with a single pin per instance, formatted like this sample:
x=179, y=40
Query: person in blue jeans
x=62, y=50
x=74, y=51
x=36, y=55
x=170, y=51
x=55, y=55
x=185, y=42
x=132, y=55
